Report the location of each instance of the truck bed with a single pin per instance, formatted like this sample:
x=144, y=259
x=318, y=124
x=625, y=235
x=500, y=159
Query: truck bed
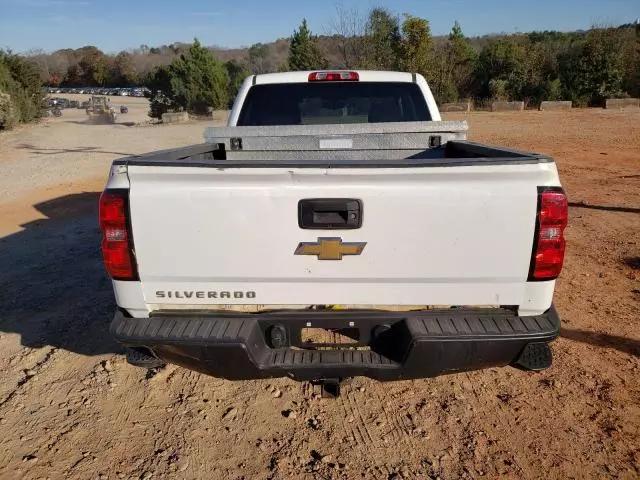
x=408, y=144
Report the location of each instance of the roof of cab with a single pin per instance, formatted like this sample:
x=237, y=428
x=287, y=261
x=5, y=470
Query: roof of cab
x=303, y=77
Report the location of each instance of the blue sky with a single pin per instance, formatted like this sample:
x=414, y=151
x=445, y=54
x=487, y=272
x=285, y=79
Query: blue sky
x=114, y=25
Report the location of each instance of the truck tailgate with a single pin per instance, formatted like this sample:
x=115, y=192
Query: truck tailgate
x=459, y=235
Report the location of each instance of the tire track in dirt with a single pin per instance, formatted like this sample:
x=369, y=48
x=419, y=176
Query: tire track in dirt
x=396, y=424
x=29, y=373
x=358, y=426
x=398, y=415
x=389, y=422
x=62, y=434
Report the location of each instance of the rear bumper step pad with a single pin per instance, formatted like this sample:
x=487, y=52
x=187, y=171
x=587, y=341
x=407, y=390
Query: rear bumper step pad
x=398, y=345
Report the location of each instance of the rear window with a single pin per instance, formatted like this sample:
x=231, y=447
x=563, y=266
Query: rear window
x=329, y=103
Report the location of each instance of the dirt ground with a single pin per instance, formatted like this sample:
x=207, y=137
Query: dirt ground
x=70, y=407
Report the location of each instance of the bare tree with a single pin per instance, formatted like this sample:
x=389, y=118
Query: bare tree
x=59, y=64
x=42, y=60
x=261, y=58
x=348, y=28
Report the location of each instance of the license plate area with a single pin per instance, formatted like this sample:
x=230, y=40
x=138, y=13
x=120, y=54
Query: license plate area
x=326, y=332
x=330, y=337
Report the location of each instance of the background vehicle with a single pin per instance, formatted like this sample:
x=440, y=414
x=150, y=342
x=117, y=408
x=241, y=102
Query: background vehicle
x=100, y=109
x=59, y=102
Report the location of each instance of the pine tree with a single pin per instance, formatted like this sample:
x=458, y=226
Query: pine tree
x=304, y=51
x=416, y=45
x=383, y=41
x=601, y=66
x=461, y=57
x=199, y=80
x=461, y=50
x=237, y=73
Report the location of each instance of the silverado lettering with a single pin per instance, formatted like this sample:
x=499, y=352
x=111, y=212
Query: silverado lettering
x=203, y=294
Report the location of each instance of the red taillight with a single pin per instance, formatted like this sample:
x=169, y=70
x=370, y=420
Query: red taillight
x=549, y=245
x=334, y=77
x=116, y=242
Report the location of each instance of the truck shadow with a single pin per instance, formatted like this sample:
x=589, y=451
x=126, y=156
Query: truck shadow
x=56, y=151
x=622, y=344
x=53, y=288
x=89, y=122
x=606, y=208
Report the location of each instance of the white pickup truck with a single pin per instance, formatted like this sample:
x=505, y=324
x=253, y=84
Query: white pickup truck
x=335, y=228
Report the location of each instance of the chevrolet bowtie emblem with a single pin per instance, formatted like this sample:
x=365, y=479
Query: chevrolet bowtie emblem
x=330, y=248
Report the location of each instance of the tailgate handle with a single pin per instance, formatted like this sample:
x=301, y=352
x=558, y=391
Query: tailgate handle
x=329, y=214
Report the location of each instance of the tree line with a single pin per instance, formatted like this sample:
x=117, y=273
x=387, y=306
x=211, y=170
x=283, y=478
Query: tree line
x=585, y=67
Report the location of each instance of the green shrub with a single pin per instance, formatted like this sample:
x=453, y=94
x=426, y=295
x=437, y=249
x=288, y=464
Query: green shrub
x=194, y=82
x=23, y=99
x=553, y=89
x=498, y=89
x=8, y=116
